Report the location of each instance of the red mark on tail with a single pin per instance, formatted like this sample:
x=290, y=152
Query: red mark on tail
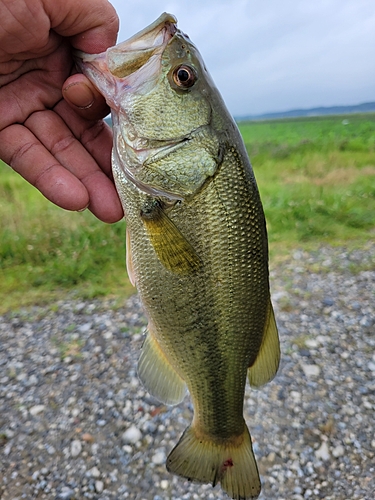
x=219, y=476
x=226, y=464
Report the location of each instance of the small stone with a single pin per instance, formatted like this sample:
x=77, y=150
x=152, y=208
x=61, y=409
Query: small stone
x=75, y=448
x=159, y=458
x=338, y=451
x=311, y=343
x=327, y=301
x=84, y=328
x=371, y=366
x=94, y=472
x=99, y=486
x=365, y=321
x=322, y=452
x=35, y=410
x=310, y=370
x=65, y=494
x=296, y=396
x=132, y=435
x=33, y=380
x=87, y=437
x=35, y=475
x=164, y=484
x=75, y=412
x=51, y=450
x=9, y=433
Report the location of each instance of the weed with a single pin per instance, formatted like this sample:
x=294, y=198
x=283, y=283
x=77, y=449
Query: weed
x=70, y=348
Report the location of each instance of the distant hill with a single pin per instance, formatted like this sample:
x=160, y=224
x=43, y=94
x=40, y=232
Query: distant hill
x=366, y=107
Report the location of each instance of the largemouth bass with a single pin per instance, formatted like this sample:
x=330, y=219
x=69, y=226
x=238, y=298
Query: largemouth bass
x=196, y=246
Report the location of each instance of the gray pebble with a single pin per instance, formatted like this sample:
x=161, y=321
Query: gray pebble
x=132, y=435
x=99, y=486
x=94, y=472
x=159, y=457
x=35, y=410
x=75, y=448
x=65, y=494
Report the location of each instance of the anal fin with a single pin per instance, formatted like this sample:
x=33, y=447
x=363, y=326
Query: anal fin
x=267, y=362
x=157, y=374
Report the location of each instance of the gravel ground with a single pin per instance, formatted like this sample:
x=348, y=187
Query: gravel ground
x=75, y=422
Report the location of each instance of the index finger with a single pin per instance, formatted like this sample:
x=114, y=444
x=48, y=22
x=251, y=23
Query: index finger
x=92, y=25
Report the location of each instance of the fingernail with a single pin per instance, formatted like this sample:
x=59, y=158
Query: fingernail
x=79, y=95
x=84, y=208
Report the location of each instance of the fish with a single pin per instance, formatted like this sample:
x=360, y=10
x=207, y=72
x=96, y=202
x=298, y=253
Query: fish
x=196, y=246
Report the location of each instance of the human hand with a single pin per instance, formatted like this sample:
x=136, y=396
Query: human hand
x=62, y=149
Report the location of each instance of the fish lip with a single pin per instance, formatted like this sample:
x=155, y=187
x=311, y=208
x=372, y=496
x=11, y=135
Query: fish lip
x=148, y=37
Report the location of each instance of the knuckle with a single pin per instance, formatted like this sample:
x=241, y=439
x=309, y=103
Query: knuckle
x=20, y=152
x=62, y=145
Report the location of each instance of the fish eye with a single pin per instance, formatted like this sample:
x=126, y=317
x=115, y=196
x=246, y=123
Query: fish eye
x=184, y=76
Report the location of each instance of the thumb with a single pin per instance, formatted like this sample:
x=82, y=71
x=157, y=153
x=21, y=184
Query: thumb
x=84, y=98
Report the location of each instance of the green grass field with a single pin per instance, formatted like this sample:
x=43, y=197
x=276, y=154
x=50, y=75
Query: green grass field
x=316, y=177
x=317, y=181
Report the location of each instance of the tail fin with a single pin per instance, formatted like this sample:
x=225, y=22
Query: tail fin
x=229, y=461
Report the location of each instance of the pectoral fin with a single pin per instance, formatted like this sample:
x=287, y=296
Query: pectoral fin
x=172, y=248
x=157, y=374
x=267, y=362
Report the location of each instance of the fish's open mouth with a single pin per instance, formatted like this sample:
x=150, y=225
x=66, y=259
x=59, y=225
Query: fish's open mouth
x=118, y=64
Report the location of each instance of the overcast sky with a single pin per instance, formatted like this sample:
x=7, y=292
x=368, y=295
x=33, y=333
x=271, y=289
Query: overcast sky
x=274, y=55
